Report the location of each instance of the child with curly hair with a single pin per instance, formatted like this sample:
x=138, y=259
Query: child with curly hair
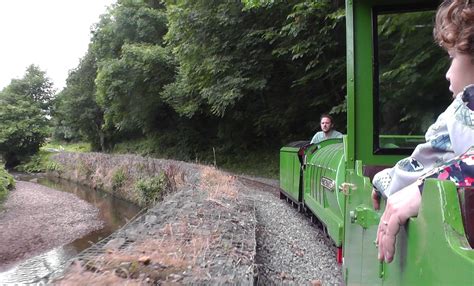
x=448, y=140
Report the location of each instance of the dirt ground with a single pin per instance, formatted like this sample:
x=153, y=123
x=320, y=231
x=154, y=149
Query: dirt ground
x=36, y=218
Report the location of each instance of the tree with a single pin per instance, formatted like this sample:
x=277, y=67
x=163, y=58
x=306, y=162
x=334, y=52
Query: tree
x=133, y=66
x=265, y=74
x=76, y=114
x=410, y=82
x=221, y=58
x=36, y=86
x=24, y=105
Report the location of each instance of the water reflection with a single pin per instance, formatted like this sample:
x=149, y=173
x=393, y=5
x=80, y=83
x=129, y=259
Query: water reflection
x=35, y=268
x=113, y=211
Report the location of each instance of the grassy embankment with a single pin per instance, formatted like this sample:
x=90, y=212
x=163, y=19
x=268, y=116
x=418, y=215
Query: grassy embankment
x=258, y=163
x=262, y=163
x=141, y=181
x=40, y=161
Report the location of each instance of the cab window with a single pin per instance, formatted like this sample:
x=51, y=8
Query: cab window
x=410, y=89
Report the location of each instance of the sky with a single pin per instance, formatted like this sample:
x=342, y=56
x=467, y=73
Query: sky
x=52, y=34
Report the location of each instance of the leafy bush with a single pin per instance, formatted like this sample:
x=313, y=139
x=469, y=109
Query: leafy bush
x=118, y=178
x=40, y=162
x=166, y=145
x=141, y=146
x=6, y=182
x=263, y=163
x=152, y=189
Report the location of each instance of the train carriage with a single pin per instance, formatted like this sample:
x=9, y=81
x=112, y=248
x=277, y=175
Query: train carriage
x=332, y=180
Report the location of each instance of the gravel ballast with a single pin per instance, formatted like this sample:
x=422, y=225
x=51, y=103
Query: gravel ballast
x=290, y=249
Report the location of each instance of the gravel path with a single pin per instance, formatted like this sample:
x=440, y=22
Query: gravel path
x=36, y=218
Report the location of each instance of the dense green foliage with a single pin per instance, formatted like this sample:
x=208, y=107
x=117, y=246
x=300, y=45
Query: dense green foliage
x=25, y=104
x=130, y=78
x=198, y=76
x=408, y=77
x=76, y=113
x=206, y=79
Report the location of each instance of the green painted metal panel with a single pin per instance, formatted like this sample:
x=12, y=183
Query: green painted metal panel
x=431, y=249
x=290, y=172
x=360, y=54
x=359, y=250
x=350, y=60
x=324, y=174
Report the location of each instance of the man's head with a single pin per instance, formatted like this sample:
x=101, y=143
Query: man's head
x=326, y=123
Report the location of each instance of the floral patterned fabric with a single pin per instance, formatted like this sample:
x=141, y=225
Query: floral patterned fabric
x=459, y=170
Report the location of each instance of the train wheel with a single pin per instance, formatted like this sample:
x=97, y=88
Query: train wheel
x=282, y=196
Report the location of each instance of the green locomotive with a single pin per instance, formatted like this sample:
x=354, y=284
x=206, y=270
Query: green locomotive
x=332, y=180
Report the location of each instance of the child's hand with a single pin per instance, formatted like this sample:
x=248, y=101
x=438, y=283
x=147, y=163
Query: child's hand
x=376, y=199
x=400, y=207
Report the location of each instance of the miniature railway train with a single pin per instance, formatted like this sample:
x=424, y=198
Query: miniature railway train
x=332, y=179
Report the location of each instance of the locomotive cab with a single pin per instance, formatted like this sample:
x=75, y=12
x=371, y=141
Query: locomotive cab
x=394, y=92
x=386, y=120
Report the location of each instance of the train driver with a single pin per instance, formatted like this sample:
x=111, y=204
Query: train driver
x=447, y=139
x=327, y=131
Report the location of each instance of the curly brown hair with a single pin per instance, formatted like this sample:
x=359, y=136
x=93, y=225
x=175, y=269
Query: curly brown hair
x=454, y=28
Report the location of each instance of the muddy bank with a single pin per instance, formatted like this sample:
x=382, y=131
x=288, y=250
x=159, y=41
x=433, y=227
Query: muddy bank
x=35, y=218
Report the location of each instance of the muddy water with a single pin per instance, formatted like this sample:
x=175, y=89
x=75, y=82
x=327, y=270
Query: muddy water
x=114, y=212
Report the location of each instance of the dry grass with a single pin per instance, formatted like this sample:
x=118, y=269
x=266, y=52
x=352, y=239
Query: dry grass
x=218, y=185
x=78, y=276
x=178, y=248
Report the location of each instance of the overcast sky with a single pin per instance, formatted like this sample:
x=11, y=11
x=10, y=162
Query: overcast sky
x=53, y=34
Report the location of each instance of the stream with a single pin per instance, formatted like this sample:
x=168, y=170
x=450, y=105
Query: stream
x=113, y=212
